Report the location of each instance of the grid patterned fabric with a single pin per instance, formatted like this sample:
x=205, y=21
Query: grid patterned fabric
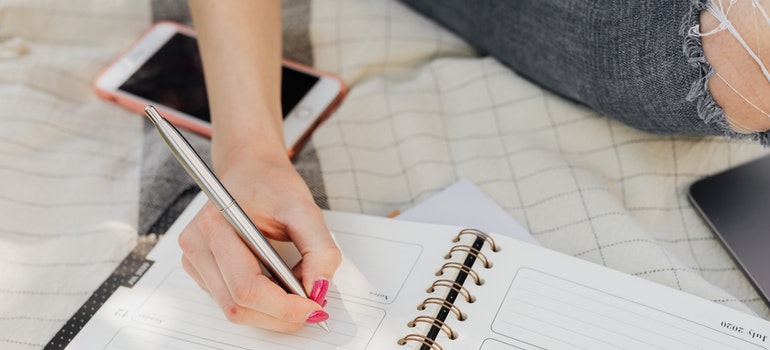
x=425, y=110
x=69, y=162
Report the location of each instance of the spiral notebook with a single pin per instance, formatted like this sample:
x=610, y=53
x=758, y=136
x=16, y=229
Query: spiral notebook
x=405, y=285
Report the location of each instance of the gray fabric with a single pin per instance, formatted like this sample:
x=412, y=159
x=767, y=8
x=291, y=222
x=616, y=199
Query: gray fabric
x=295, y=17
x=172, y=10
x=308, y=166
x=166, y=188
x=626, y=59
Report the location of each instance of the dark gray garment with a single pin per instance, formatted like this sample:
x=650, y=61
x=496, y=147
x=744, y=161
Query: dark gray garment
x=630, y=60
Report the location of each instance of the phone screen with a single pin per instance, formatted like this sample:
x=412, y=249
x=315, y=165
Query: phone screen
x=173, y=76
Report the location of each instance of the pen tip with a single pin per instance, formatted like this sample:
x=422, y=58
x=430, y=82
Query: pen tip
x=325, y=326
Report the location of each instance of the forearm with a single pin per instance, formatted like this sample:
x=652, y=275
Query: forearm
x=240, y=43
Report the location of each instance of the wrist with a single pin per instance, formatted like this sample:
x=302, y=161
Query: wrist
x=230, y=150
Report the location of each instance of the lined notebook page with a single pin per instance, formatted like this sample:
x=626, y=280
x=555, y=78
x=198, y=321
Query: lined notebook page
x=530, y=298
x=535, y=298
x=373, y=295
x=69, y=163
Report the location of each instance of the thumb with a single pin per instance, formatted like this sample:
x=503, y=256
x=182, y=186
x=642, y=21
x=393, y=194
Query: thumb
x=320, y=255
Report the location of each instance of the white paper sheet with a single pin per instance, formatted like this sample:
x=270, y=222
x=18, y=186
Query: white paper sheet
x=464, y=204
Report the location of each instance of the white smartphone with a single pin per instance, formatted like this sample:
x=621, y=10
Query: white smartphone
x=163, y=68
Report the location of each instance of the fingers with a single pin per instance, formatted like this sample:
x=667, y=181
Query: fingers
x=190, y=269
x=217, y=259
x=249, y=288
x=320, y=255
x=281, y=205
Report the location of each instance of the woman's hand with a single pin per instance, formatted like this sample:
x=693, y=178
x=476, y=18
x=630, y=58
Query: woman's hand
x=279, y=203
x=240, y=45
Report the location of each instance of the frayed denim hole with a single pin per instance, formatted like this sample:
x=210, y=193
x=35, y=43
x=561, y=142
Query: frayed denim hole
x=708, y=110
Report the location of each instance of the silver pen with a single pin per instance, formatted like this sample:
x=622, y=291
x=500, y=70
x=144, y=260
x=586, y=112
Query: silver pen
x=226, y=205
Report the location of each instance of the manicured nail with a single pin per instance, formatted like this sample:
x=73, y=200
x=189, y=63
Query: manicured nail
x=317, y=316
x=318, y=294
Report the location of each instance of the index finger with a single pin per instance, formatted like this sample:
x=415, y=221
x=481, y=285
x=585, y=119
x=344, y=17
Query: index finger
x=249, y=288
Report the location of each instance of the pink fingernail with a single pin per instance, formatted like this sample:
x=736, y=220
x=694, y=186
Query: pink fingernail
x=320, y=287
x=317, y=316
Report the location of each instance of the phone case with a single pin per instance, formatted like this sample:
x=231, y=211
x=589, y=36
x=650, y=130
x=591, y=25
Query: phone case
x=325, y=114
x=137, y=104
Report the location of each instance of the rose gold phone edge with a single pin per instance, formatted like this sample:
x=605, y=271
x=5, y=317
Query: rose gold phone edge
x=137, y=104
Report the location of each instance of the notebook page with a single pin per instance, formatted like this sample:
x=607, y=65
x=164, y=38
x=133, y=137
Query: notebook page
x=385, y=272
x=530, y=298
x=535, y=298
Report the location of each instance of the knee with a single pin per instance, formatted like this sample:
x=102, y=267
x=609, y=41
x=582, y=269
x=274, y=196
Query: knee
x=740, y=85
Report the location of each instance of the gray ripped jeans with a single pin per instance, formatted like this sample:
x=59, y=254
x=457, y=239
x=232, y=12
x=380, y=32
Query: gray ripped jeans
x=635, y=60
